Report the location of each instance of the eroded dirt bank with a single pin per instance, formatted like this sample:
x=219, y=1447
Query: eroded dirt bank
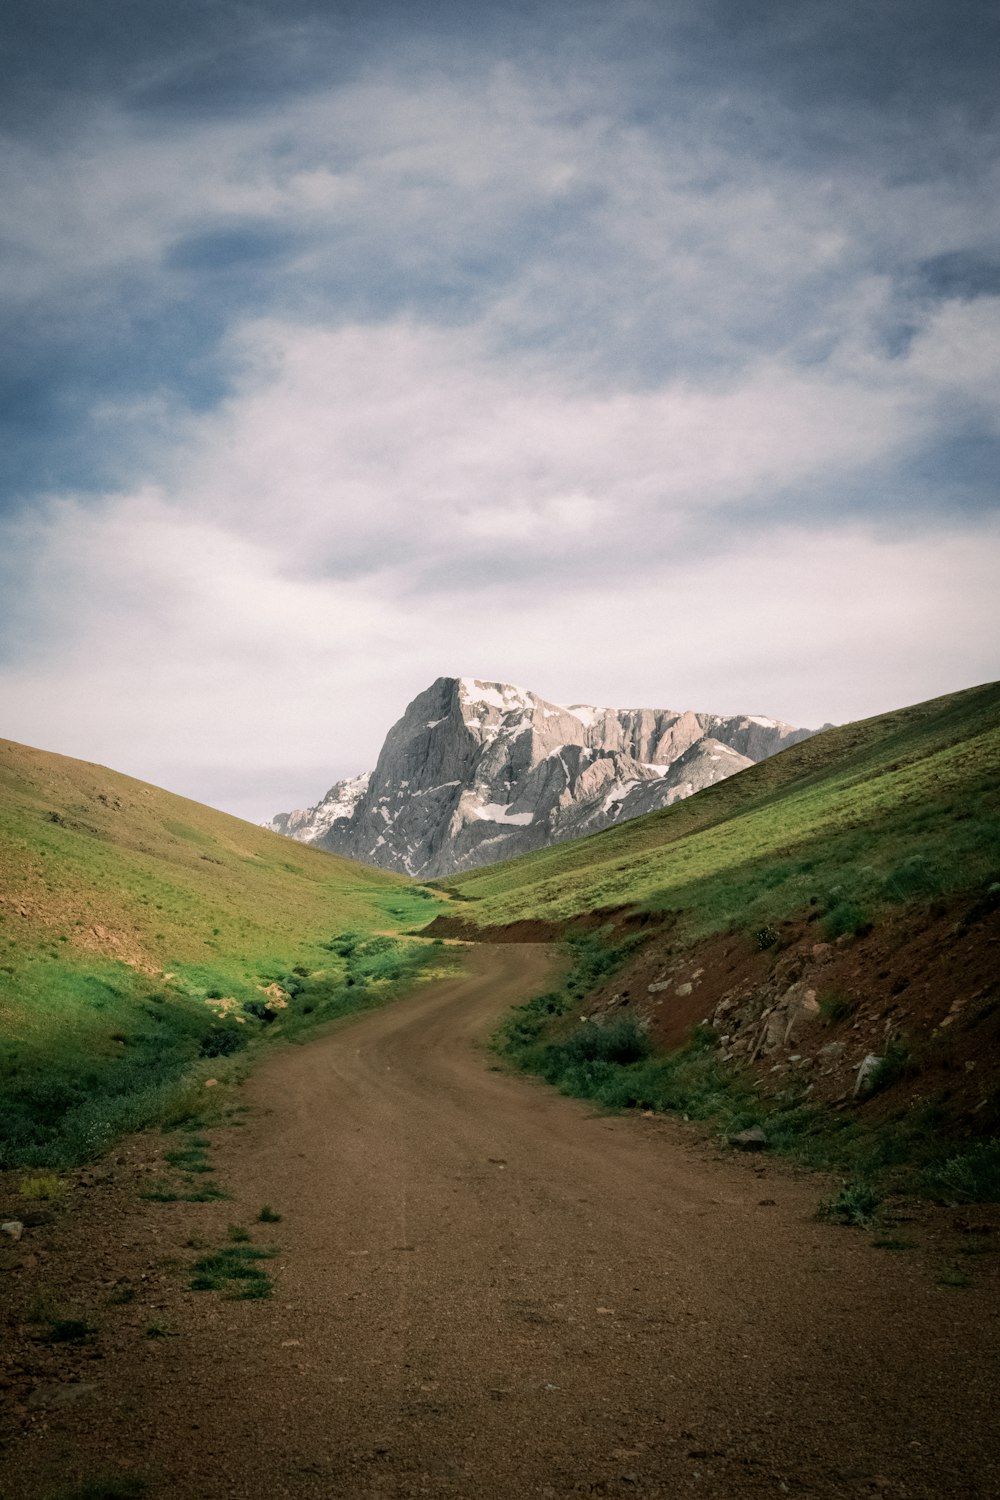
x=487, y=1292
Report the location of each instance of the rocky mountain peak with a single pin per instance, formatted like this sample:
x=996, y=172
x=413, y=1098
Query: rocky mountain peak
x=477, y=771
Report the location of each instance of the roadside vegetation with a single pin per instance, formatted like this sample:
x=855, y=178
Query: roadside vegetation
x=148, y=945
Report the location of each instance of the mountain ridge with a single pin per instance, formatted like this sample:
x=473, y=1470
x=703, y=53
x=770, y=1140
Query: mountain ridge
x=477, y=770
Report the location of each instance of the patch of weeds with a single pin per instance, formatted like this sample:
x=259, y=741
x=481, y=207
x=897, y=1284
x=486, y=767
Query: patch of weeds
x=164, y=1193
x=207, y=1194
x=954, y=1276
x=894, y=1244
x=160, y=1331
x=45, y=1186
x=70, y=1331
x=973, y=1176
x=837, y=1006
x=190, y=1158
x=234, y=1270
x=856, y=1204
x=238, y=1235
x=978, y=1249
x=122, y=1295
x=268, y=1215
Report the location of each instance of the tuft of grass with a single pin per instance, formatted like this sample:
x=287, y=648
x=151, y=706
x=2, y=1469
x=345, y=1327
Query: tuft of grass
x=235, y=1270
x=837, y=1006
x=122, y=1295
x=189, y=1159
x=45, y=1186
x=857, y=1204
x=160, y=1331
x=268, y=1215
x=164, y=1193
x=238, y=1235
x=954, y=1276
x=892, y=1243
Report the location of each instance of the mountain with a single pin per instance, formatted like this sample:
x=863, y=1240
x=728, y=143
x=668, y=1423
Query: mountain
x=476, y=772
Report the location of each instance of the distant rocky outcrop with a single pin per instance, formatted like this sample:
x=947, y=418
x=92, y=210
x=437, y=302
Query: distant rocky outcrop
x=479, y=771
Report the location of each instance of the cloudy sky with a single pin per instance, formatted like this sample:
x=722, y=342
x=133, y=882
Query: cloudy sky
x=638, y=353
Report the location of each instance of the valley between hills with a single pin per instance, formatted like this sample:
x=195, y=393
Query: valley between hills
x=642, y=1163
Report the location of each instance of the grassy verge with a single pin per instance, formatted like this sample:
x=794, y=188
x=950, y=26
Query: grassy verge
x=612, y=1063
x=111, y=1050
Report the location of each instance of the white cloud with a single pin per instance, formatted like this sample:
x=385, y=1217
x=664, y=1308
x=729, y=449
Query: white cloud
x=198, y=663
x=654, y=336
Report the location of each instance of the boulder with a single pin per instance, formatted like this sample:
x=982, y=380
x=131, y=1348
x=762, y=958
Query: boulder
x=868, y=1069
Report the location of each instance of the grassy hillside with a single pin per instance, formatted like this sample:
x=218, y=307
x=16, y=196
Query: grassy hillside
x=831, y=909
x=878, y=812
x=139, y=933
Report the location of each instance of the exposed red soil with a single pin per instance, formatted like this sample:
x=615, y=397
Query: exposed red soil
x=487, y=1292
x=931, y=982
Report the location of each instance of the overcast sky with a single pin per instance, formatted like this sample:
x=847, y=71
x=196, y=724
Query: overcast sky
x=643, y=353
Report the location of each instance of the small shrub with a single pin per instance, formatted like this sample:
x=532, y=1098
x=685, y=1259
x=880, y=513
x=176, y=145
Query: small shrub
x=972, y=1176
x=856, y=1204
x=619, y=1041
x=238, y=1235
x=269, y=1215
x=222, y=1041
x=837, y=1006
x=847, y=919
x=160, y=1331
x=764, y=938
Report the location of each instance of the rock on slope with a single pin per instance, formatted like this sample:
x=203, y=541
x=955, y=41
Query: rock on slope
x=480, y=771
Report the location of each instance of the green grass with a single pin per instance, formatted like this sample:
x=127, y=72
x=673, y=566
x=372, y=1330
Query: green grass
x=138, y=933
x=900, y=808
x=969, y=1176
x=856, y=1204
x=268, y=1215
x=234, y=1270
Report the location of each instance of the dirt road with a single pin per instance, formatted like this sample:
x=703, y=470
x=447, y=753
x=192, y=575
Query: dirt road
x=485, y=1290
